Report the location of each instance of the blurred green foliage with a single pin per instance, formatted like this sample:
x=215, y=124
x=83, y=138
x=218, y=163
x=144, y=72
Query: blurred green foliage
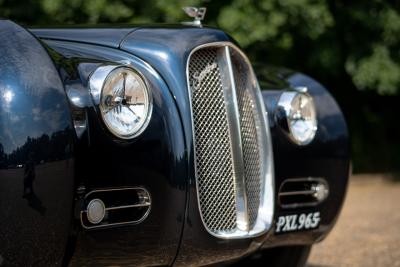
x=350, y=46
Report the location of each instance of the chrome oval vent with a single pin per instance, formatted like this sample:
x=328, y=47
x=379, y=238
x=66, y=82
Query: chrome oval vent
x=303, y=192
x=233, y=158
x=121, y=206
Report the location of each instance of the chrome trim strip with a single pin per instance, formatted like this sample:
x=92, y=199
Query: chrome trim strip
x=129, y=206
x=267, y=202
x=293, y=193
x=229, y=88
x=117, y=189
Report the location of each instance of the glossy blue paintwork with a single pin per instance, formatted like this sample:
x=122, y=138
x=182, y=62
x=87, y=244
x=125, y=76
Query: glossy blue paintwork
x=36, y=164
x=111, y=37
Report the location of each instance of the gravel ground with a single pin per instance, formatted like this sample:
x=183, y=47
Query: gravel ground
x=368, y=230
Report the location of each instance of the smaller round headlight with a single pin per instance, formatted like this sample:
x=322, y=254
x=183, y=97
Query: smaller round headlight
x=123, y=99
x=296, y=115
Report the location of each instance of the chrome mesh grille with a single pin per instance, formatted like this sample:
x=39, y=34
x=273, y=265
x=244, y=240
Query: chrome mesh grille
x=214, y=164
x=249, y=119
x=231, y=141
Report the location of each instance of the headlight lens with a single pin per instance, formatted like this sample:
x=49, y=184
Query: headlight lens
x=297, y=116
x=124, y=100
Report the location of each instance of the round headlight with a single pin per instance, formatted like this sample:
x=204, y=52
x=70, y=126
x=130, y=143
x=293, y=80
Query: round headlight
x=123, y=98
x=296, y=115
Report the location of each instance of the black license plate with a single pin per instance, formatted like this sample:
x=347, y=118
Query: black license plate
x=298, y=222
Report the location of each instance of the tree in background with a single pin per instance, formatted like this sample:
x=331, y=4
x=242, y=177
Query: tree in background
x=353, y=48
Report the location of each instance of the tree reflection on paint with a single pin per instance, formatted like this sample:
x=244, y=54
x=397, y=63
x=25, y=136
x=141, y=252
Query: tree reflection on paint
x=57, y=144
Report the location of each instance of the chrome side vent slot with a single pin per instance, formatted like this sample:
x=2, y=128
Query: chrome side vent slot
x=115, y=207
x=303, y=192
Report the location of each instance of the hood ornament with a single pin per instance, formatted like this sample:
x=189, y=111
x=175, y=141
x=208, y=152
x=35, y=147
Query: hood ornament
x=198, y=13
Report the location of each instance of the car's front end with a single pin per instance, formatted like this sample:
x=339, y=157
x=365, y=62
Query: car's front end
x=181, y=159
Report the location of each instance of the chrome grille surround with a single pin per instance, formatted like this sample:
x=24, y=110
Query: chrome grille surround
x=232, y=143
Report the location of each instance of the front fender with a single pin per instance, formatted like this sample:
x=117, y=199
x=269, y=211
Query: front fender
x=36, y=166
x=327, y=156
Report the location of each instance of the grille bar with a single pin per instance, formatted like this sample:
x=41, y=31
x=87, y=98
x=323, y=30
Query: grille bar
x=231, y=102
x=233, y=158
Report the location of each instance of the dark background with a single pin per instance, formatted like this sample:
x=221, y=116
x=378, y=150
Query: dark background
x=351, y=48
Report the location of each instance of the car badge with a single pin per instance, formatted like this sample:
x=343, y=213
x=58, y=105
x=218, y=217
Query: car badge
x=198, y=77
x=198, y=13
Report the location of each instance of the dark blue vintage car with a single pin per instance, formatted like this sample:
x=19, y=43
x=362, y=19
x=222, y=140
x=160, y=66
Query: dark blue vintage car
x=160, y=146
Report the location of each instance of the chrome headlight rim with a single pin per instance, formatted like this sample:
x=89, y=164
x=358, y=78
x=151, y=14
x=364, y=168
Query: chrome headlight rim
x=97, y=82
x=283, y=115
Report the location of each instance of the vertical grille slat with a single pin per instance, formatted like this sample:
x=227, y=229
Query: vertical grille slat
x=249, y=119
x=231, y=143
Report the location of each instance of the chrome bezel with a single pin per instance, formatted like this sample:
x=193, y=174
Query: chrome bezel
x=267, y=203
x=97, y=82
x=282, y=115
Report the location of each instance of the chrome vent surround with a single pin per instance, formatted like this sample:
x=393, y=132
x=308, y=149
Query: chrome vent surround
x=233, y=157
